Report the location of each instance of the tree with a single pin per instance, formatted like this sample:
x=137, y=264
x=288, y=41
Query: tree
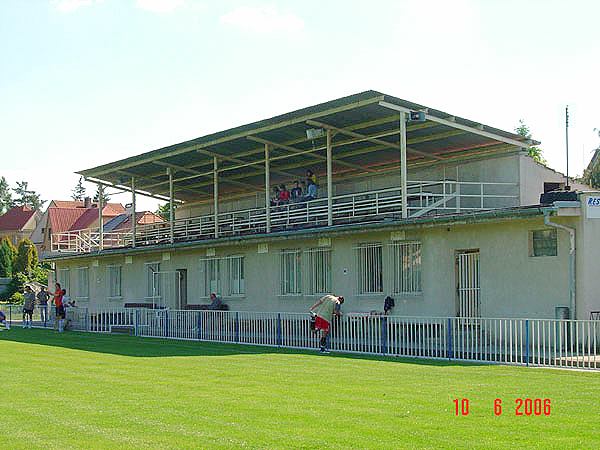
x=27, y=257
x=25, y=197
x=7, y=255
x=78, y=192
x=101, y=193
x=534, y=152
x=163, y=212
x=6, y=201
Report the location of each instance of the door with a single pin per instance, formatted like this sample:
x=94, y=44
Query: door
x=166, y=289
x=182, y=291
x=468, y=290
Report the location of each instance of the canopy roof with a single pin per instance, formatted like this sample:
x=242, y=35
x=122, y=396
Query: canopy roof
x=366, y=139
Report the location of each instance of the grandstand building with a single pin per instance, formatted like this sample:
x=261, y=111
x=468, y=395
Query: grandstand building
x=440, y=212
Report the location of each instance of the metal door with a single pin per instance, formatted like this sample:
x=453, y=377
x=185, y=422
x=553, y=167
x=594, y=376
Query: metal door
x=166, y=289
x=468, y=289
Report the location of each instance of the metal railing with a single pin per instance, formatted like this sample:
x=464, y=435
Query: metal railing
x=530, y=342
x=423, y=198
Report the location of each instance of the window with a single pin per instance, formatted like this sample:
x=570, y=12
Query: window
x=544, y=243
x=290, y=272
x=114, y=281
x=406, y=267
x=236, y=275
x=64, y=278
x=370, y=269
x=211, y=268
x=83, y=283
x=318, y=270
x=152, y=280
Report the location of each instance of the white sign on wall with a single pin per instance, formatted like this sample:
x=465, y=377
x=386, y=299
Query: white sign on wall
x=592, y=207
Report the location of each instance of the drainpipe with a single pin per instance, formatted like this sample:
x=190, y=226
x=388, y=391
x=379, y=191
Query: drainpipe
x=572, y=274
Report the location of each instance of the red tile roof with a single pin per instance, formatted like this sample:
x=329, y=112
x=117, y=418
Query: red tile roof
x=114, y=208
x=89, y=216
x=61, y=219
x=16, y=218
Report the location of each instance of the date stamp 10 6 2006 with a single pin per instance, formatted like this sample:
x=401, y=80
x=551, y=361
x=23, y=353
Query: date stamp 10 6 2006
x=522, y=407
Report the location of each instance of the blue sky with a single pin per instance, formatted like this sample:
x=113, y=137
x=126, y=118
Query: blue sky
x=86, y=82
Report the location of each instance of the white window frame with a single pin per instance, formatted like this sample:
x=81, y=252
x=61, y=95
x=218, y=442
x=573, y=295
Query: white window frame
x=290, y=278
x=369, y=263
x=83, y=285
x=317, y=270
x=114, y=294
x=64, y=279
x=406, y=259
x=150, y=277
x=218, y=275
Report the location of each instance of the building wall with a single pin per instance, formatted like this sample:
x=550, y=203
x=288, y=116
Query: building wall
x=513, y=284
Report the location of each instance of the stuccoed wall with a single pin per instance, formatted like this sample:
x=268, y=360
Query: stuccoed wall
x=513, y=284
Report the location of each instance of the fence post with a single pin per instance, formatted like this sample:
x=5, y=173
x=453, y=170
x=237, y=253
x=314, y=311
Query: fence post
x=449, y=339
x=199, y=325
x=166, y=323
x=279, y=337
x=237, y=327
x=527, y=342
x=384, y=335
x=135, y=321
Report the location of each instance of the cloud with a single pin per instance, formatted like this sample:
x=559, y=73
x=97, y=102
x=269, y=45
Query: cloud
x=67, y=6
x=263, y=19
x=159, y=6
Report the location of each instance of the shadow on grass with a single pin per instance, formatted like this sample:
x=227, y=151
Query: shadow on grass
x=156, y=347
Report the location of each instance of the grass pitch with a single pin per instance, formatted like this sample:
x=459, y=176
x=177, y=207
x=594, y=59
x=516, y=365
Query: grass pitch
x=78, y=390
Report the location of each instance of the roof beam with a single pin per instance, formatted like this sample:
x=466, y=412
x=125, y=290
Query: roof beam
x=297, y=151
x=454, y=124
x=239, y=161
x=373, y=140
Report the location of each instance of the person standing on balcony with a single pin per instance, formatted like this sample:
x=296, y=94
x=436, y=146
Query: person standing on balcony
x=275, y=199
x=284, y=195
x=311, y=176
x=28, y=307
x=296, y=192
x=311, y=190
x=42, y=298
x=324, y=310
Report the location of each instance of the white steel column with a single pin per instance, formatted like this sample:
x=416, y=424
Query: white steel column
x=216, y=194
x=403, y=184
x=267, y=188
x=133, y=217
x=329, y=180
x=171, y=207
x=100, y=223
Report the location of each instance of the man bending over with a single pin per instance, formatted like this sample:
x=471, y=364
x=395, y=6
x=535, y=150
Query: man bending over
x=324, y=310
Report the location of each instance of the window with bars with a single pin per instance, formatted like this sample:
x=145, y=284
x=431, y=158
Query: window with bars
x=318, y=270
x=211, y=278
x=64, y=278
x=544, y=243
x=83, y=283
x=291, y=272
x=114, y=281
x=152, y=281
x=236, y=280
x=406, y=267
x=370, y=268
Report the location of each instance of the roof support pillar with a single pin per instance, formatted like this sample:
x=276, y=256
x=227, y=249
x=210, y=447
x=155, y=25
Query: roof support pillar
x=133, y=216
x=329, y=180
x=100, y=222
x=216, y=194
x=403, y=175
x=171, y=207
x=267, y=188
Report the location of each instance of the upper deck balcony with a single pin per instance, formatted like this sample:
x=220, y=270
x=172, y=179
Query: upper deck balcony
x=365, y=136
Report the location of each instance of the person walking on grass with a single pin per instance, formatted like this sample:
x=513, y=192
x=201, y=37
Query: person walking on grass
x=59, y=308
x=324, y=310
x=3, y=320
x=42, y=297
x=28, y=307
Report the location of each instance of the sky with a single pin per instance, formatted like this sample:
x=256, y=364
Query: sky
x=88, y=82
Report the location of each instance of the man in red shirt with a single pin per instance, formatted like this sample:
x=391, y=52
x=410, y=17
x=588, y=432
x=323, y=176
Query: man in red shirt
x=59, y=308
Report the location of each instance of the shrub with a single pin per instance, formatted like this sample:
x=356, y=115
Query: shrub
x=17, y=298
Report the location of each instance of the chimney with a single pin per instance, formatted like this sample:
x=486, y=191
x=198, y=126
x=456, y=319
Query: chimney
x=87, y=202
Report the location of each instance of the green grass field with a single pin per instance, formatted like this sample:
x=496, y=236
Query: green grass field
x=77, y=390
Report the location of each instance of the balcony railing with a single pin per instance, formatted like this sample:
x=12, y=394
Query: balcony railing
x=423, y=198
